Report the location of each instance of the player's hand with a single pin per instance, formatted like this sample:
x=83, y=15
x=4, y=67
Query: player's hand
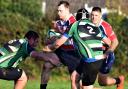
x=51, y=40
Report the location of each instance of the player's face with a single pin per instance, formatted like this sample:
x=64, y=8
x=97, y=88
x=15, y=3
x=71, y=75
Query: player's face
x=95, y=17
x=33, y=42
x=62, y=11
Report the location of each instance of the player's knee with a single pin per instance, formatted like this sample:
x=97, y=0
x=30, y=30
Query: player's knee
x=102, y=82
x=23, y=77
x=74, y=76
x=47, y=66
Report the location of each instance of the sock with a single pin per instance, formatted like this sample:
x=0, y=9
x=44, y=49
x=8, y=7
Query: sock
x=117, y=80
x=43, y=86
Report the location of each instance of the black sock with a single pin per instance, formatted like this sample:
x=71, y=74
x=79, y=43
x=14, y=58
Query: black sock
x=117, y=80
x=43, y=86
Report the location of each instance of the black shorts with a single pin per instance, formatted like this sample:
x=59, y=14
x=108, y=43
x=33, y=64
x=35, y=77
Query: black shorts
x=89, y=71
x=69, y=58
x=10, y=73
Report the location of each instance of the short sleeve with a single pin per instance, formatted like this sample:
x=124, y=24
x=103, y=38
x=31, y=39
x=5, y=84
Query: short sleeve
x=110, y=33
x=71, y=31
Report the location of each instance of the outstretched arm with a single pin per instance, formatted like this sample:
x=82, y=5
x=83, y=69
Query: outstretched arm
x=56, y=45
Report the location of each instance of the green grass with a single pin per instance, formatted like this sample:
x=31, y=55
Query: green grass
x=55, y=83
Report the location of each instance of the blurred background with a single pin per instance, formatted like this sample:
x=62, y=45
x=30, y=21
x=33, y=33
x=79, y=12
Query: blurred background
x=19, y=16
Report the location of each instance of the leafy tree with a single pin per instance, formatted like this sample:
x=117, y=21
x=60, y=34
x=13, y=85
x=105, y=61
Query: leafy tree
x=119, y=24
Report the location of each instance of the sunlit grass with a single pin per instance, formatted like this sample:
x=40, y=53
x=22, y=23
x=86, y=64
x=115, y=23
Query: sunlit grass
x=55, y=83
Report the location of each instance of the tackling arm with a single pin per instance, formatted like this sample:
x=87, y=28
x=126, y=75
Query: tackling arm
x=56, y=45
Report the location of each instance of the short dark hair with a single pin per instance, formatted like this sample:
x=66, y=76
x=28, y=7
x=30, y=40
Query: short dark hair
x=66, y=4
x=82, y=13
x=31, y=34
x=96, y=9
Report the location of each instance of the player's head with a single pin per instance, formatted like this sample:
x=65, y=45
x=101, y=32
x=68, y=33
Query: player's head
x=96, y=15
x=32, y=38
x=82, y=14
x=63, y=9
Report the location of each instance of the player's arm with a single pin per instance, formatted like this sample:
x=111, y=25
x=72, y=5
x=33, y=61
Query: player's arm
x=52, y=36
x=62, y=40
x=50, y=40
x=106, y=41
x=112, y=47
x=112, y=36
x=57, y=44
x=114, y=44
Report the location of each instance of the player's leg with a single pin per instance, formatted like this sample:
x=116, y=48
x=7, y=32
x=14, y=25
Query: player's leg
x=53, y=59
x=47, y=57
x=90, y=71
x=45, y=75
x=71, y=64
x=103, y=78
x=47, y=68
x=21, y=82
x=74, y=80
x=15, y=74
x=76, y=76
x=120, y=85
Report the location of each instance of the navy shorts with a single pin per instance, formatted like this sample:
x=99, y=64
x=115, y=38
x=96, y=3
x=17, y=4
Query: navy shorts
x=89, y=71
x=107, y=63
x=10, y=73
x=69, y=58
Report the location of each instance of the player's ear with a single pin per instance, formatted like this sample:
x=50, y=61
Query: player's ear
x=100, y=15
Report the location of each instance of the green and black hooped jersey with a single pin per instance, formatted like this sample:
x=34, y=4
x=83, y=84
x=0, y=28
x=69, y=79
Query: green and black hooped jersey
x=51, y=33
x=14, y=52
x=87, y=38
